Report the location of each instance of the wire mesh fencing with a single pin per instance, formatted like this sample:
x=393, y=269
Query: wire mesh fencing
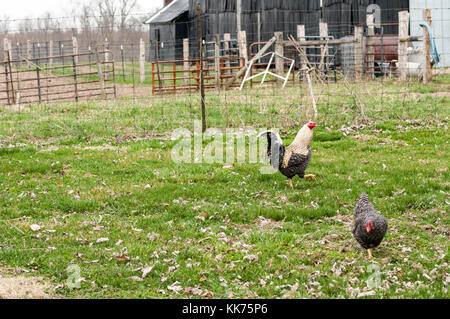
x=364, y=75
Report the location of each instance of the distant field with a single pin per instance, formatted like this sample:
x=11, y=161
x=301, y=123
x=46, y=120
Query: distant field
x=139, y=225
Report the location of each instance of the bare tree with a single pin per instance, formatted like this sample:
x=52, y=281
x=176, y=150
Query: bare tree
x=125, y=9
x=4, y=24
x=85, y=19
x=114, y=15
x=105, y=15
x=47, y=24
x=26, y=25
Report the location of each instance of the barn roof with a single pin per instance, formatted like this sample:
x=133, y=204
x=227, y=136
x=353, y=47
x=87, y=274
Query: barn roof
x=170, y=12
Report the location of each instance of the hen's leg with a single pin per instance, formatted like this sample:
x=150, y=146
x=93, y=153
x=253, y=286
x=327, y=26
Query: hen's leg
x=310, y=176
x=369, y=251
x=290, y=183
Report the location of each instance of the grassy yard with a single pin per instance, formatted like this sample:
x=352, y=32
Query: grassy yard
x=139, y=225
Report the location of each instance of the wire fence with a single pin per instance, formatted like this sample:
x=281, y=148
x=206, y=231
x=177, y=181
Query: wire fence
x=365, y=74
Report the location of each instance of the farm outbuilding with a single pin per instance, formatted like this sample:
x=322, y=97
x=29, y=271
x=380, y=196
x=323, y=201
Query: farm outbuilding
x=261, y=18
x=168, y=28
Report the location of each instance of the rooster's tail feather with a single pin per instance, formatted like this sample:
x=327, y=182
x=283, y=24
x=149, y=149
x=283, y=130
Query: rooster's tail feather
x=275, y=148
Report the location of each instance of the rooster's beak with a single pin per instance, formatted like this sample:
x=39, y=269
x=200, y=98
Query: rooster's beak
x=312, y=125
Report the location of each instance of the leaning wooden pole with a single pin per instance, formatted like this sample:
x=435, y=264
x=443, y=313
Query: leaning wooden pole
x=200, y=49
x=255, y=58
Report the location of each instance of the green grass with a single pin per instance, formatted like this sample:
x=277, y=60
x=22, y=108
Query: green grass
x=228, y=232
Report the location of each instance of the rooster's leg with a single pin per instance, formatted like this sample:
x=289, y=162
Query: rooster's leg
x=290, y=183
x=310, y=176
x=369, y=251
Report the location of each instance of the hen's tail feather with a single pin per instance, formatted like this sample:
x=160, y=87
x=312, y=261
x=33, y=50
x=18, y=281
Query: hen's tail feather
x=364, y=205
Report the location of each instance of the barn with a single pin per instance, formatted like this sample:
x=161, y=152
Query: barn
x=168, y=27
x=261, y=18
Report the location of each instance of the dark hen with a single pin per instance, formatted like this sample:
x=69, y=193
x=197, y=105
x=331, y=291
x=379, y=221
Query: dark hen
x=370, y=227
x=294, y=159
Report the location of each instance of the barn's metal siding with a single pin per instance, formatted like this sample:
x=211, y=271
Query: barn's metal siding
x=219, y=17
x=171, y=38
x=167, y=40
x=343, y=15
x=440, y=15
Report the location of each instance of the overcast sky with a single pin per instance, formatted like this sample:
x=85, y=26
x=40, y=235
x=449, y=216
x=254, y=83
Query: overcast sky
x=17, y=9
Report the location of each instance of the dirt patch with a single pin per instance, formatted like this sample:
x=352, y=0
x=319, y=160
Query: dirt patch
x=98, y=148
x=140, y=90
x=364, y=137
x=262, y=223
x=268, y=224
x=23, y=288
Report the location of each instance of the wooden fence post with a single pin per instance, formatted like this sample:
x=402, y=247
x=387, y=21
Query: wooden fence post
x=279, y=53
x=238, y=16
x=301, y=36
x=428, y=76
x=9, y=81
x=242, y=42
x=75, y=48
x=10, y=49
x=7, y=53
x=186, y=62
x=259, y=24
x=226, y=47
x=142, y=60
x=107, y=59
x=217, y=60
x=370, y=48
x=403, y=25
x=5, y=47
x=75, y=51
x=29, y=54
x=358, y=52
x=323, y=31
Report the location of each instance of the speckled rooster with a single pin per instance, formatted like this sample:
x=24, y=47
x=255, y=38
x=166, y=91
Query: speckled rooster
x=370, y=227
x=294, y=159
